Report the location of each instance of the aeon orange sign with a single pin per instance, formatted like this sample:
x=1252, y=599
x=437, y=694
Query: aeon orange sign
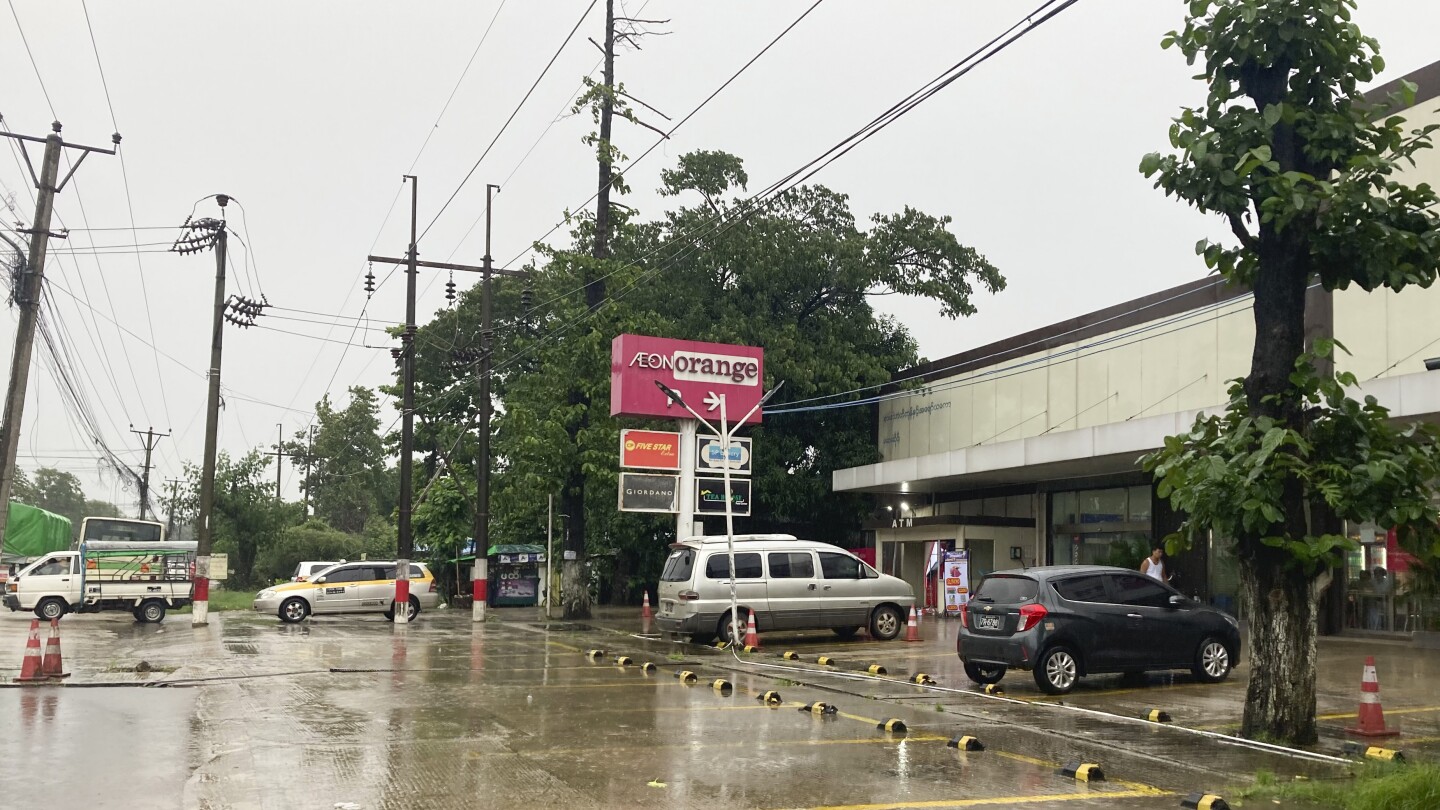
x=650, y=449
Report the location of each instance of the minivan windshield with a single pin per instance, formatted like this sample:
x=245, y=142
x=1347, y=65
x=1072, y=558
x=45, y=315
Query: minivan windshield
x=680, y=566
x=1007, y=590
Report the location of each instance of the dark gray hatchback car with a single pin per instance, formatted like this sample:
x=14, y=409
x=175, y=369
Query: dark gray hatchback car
x=1066, y=622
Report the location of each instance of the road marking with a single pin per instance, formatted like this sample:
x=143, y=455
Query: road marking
x=1003, y=800
x=1145, y=790
x=686, y=746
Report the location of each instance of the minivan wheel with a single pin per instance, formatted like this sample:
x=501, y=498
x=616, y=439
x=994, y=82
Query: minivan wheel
x=885, y=623
x=1212, y=661
x=152, y=611
x=51, y=607
x=1056, y=671
x=724, y=632
x=984, y=675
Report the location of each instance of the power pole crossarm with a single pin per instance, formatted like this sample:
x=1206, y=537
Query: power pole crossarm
x=27, y=296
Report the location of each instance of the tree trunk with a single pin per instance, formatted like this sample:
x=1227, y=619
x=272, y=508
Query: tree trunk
x=574, y=583
x=1280, y=703
x=1280, y=700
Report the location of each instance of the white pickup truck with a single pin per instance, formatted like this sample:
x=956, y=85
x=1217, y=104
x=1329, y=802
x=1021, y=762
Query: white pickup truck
x=146, y=579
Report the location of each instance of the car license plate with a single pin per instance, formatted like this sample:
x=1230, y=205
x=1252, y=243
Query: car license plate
x=987, y=622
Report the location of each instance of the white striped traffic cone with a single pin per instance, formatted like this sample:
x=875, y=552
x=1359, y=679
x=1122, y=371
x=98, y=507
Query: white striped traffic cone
x=912, y=630
x=30, y=668
x=1370, y=718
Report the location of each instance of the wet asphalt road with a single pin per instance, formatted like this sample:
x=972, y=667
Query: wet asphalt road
x=345, y=712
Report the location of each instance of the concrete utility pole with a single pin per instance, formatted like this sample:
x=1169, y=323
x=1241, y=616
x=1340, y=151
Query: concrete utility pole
x=205, y=535
x=482, y=363
x=150, y=439
x=27, y=295
x=280, y=455
x=309, y=461
x=481, y=569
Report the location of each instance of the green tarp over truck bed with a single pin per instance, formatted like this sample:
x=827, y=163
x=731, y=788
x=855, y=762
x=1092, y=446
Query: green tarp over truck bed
x=32, y=532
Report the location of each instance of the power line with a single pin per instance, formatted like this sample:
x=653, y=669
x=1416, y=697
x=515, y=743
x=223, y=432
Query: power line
x=751, y=205
x=31, y=54
x=456, y=88
x=516, y=112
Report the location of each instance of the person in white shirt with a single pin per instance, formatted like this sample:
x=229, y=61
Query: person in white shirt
x=1153, y=566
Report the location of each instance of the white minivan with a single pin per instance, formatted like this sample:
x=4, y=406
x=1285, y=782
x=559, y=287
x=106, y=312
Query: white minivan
x=788, y=583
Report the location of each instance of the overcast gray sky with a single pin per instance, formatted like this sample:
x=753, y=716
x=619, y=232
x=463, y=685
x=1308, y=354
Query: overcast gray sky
x=309, y=113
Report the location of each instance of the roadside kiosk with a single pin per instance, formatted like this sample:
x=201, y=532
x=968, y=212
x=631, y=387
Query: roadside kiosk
x=515, y=574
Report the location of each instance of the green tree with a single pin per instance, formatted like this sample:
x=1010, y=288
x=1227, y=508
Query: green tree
x=22, y=490
x=346, y=461
x=1302, y=169
x=247, y=518
x=794, y=277
x=59, y=492
x=315, y=539
x=101, y=509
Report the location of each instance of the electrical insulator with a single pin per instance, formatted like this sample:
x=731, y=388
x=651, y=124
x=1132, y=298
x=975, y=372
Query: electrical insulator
x=370, y=281
x=527, y=297
x=450, y=288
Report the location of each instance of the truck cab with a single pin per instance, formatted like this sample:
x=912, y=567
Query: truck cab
x=51, y=585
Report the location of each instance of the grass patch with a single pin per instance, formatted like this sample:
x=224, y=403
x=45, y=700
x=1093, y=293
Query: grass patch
x=1374, y=786
x=675, y=656
x=228, y=600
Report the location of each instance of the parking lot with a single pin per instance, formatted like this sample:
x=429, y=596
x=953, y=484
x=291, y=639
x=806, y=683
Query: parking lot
x=250, y=713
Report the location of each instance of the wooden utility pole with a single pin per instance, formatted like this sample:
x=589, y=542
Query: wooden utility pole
x=174, y=484
x=27, y=294
x=280, y=456
x=150, y=438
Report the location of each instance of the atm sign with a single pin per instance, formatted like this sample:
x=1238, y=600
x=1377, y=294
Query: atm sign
x=650, y=449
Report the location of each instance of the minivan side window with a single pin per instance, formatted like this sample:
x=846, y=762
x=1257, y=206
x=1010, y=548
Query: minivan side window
x=679, y=566
x=352, y=574
x=1135, y=589
x=1082, y=589
x=791, y=565
x=747, y=566
x=838, y=566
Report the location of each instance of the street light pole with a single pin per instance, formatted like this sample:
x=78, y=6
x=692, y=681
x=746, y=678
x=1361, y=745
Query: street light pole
x=724, y=433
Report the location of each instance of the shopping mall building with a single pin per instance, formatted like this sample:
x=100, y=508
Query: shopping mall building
x=1025, y=451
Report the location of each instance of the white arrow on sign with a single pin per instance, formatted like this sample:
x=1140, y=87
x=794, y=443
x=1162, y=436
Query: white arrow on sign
x=713, y=400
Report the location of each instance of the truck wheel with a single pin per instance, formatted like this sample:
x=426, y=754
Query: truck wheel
x=152, y=611
x=136, y=612
x=51, y=607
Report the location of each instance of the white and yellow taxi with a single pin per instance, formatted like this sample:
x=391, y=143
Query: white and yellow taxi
x=367, y=586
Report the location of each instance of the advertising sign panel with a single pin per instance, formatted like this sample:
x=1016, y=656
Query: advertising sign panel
x=700, y=372
x=643, y=492
x=709, y=456
x=710, y=496
x=955, y=577
x=650, y=449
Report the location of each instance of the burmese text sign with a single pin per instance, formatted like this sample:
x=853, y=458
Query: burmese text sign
x=700, y=372
x=650, y=449
x=710, y=496
x=644, y=492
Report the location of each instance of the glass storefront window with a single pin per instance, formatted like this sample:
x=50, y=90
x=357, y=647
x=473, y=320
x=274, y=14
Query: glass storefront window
x=1139, y=498
x=1103, y=506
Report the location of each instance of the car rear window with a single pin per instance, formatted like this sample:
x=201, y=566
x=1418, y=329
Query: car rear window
x=1089, y=588
x=747, y=566
x=1007, y=590
x=680, y=566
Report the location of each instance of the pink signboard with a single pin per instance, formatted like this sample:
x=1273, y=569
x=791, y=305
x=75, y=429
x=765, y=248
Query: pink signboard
x=701, y=372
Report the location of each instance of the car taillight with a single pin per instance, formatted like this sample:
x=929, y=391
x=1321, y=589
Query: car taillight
x=432, y=586
x=965, y=616
x=1030, y=615
x=688, y=596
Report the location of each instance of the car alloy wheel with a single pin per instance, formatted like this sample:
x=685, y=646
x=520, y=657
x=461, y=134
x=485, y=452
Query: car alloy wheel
x=885, y=623
x=1059, y=671
x=1214, y=660
x=294, y=610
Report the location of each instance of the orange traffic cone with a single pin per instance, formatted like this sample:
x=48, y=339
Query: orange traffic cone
x=645, y=609
x=912, y=630
x=30, y=667
x=1370, y=719
x=752, y=638
x=52, y=666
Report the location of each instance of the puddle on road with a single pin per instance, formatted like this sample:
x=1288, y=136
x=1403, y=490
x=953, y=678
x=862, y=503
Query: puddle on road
x=241, y=648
